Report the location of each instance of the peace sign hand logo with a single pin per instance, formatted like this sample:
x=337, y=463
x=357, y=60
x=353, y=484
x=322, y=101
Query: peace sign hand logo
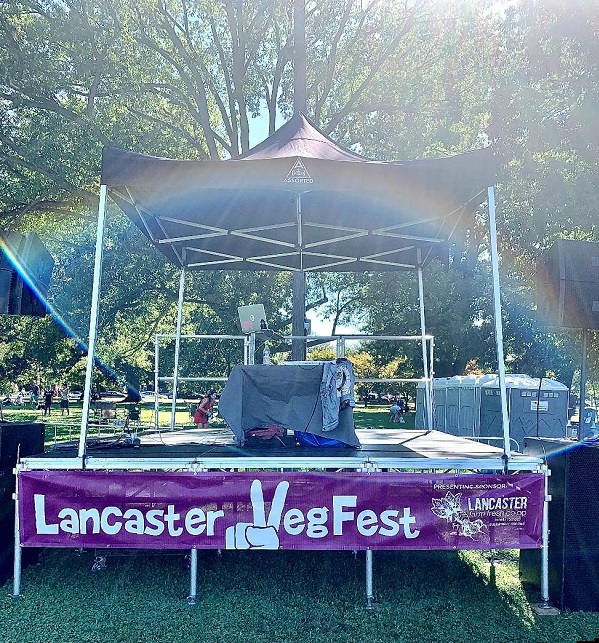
x=263, y=533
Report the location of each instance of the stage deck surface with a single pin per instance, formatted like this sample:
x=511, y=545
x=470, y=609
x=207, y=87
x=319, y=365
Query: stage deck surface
x=215, y=442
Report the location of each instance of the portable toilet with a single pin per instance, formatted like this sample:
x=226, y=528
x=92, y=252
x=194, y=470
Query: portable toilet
x=456, y=404
x=439, y=402
x=462, y=404
x=536, y=407
x=439, y=393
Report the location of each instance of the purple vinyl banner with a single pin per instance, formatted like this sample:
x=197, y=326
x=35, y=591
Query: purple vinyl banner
x=277, y=510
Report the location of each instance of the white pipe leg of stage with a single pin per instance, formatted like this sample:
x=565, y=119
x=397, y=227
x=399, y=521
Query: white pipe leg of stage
x=16, y=583
x=428, y=381
x=93, y=321
x=177, y=347
x=193, y=577
x=369, y=583
x=498, y=323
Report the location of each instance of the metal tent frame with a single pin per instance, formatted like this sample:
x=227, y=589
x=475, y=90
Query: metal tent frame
x=94, y=315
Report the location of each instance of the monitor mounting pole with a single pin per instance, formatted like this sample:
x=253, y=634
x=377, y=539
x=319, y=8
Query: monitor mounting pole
x=298, y=346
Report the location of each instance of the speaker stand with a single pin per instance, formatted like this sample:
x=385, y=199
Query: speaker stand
x=583, y=383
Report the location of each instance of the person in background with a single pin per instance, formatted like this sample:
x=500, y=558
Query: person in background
x=403, y=408
x=35, y=392
x=64, y=399
x=202, y=414
x=395, y=413
x=48, y=395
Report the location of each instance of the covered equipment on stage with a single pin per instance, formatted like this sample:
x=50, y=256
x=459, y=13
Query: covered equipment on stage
x=298, y=397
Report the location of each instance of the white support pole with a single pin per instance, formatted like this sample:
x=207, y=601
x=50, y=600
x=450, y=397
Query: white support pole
x=583, y=385
x=177, y=347
x=432, y=374
x=193, y=577
x=298, y=346
x=16, y=584
x=156, y=380
x=93, y=322
x=498, y=324
x=252, y=349
x=369, y=583
x=545, y=546
x=428, y=381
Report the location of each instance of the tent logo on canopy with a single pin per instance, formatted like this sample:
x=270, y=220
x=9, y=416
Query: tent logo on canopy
x=298, y=174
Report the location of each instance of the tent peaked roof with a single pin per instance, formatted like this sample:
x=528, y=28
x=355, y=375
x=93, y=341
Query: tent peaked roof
x=299, y=137
x=298, y=201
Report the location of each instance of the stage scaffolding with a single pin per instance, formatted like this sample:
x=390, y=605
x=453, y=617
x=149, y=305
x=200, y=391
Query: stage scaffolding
x=249, y=343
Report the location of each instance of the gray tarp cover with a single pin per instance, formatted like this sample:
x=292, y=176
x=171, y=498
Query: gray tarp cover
x=299, y=201
x=288, y=395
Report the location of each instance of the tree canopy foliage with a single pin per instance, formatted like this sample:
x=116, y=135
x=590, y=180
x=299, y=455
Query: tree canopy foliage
x=205, y=78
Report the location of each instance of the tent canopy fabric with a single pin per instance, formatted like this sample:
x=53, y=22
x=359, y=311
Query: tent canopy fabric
x=299, y=201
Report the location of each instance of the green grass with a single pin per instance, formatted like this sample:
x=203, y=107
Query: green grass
x=280, y=597
x=66, y=427
x=379, y=417
x=60, y=428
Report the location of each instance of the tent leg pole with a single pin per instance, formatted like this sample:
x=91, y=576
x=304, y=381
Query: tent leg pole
x=428, y=380
x=432, y=376
x=93, y=323
x=177, y=347
x=498, y=324
x=156, y=380
x=16, y=586
x=193, y=577
x=369, y=584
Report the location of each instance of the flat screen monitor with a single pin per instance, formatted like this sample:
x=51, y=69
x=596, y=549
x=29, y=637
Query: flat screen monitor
x=252, y=318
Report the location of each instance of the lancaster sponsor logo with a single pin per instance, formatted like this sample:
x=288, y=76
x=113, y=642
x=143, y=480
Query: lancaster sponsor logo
x=491, y=504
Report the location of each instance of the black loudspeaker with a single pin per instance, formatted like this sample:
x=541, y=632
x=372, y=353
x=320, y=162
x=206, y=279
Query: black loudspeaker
x=25, y=274
x=568, y=285
x=17, y=440
x=573, y=525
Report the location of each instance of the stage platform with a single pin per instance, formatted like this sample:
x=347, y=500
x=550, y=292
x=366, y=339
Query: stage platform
x=216, y=448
